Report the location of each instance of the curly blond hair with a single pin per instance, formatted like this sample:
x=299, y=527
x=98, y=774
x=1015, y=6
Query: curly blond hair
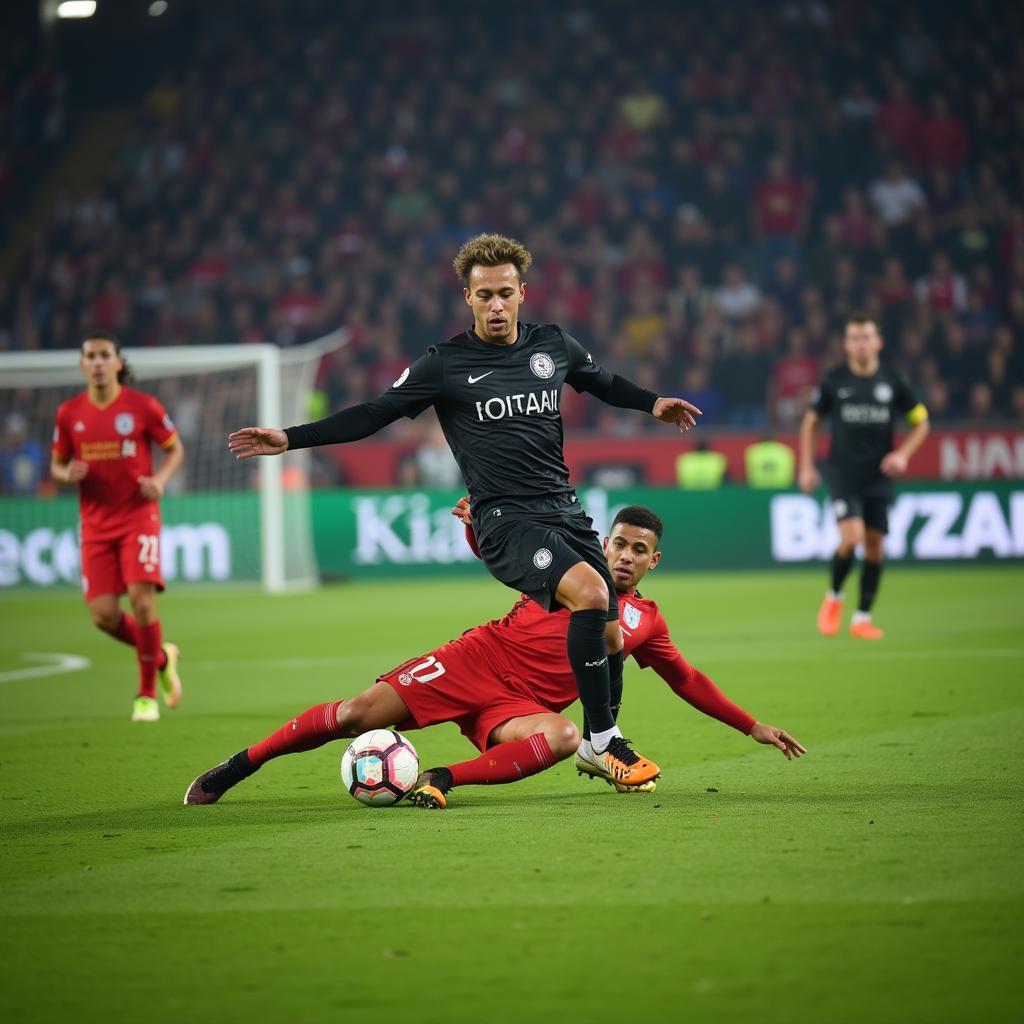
x=492, y=251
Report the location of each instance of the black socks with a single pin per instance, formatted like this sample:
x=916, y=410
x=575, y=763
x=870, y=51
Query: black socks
x=588, y=656
x=870, y=575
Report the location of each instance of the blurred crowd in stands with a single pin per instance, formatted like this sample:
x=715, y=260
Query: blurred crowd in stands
x=708, y=190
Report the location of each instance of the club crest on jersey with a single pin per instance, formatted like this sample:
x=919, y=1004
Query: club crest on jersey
x=631, y=616
x=883, y=393
x=542, y=558
x=124, y=423
x=79, y=427
x=840, y=508
x=542, y=365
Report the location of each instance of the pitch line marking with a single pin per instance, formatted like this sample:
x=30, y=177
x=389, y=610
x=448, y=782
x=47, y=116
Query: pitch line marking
x=53, y=665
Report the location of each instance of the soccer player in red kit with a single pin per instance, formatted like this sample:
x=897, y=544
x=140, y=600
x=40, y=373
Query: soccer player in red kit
x=506, y=684
x=102, y=443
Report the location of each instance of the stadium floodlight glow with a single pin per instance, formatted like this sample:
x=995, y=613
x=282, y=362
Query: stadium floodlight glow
x=76, y=9
x=157, y=7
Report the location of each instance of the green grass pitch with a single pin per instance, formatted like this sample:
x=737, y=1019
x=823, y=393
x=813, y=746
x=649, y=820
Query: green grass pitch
x=880, y=878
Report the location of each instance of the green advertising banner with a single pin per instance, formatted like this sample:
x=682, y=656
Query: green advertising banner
x=392, y=533
x=209, y=537
x=214, y=537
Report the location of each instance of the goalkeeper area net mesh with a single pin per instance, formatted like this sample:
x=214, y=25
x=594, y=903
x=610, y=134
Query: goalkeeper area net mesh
x=223, y=519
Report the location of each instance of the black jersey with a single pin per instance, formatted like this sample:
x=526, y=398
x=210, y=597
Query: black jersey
x=498, y=406
x=863, y=412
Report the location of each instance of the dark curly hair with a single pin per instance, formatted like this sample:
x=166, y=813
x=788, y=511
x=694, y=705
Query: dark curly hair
x=638, y=515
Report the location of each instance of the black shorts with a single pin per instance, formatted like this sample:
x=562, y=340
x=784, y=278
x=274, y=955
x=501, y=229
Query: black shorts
x=873, y=508
x=531, y=549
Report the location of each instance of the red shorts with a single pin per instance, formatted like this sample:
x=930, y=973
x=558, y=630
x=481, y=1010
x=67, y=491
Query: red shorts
x=108, y=566
x=464, y=683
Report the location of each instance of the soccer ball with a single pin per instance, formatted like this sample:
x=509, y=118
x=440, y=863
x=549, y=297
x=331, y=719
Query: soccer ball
x=380, y=767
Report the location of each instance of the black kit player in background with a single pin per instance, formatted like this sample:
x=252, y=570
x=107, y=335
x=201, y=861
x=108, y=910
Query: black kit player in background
x=496, y=389
x=862, y=399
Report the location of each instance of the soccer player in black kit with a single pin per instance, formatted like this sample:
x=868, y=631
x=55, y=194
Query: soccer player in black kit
x=496, y=390
x=862, y=398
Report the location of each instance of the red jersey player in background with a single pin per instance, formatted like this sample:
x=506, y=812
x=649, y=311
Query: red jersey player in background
x=102, y=443
x=505, y=685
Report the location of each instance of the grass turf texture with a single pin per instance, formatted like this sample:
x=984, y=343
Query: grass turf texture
x=879, y=878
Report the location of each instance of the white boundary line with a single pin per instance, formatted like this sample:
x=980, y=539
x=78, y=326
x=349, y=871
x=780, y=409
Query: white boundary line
x=53, y=665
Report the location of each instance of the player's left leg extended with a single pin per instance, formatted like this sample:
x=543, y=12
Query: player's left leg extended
x=587, y=762
x=594, y=644
x=378, y=707
x=516, y=749
x=870, y=576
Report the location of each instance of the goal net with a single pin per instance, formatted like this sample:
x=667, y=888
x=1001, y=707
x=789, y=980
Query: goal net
x=223, y=520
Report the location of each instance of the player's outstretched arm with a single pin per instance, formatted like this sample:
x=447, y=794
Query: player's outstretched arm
x=252, y=441
x=700, y=692
x=352, y=424
x=613, y=389
x=770, y=736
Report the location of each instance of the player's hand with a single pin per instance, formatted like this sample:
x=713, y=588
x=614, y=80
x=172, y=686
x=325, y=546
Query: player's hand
x=151, y=488
x=251, y=441
x=808, y=479
x=77, y=470
x=677, y=411
x=772, y=737
x=894, y=464
x=461, y=512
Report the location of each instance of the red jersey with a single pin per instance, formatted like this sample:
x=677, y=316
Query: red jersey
x=529, y=643
x=115, y=442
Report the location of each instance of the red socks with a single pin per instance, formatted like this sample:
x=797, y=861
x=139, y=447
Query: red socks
x=313, y=728
x=148, y=647
x=127, y=631
x=506, y=762
x=146, y=640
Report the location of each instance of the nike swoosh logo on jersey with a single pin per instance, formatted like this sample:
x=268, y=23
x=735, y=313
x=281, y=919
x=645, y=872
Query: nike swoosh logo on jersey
x=845, y=392
x=473, y=380
x=626, y=631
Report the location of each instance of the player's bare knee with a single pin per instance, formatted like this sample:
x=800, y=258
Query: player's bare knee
x=593, y=594
x=563, y=738
x=351, y=716
x=105, y=618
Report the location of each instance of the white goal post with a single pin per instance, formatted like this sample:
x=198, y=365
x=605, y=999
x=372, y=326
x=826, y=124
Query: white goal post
x=208, y=390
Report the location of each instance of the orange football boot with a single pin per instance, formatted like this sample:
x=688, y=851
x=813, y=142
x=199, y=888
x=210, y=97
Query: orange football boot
x=430, y=789
x=622, y=764
x=830, y=615
x=866, y=630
